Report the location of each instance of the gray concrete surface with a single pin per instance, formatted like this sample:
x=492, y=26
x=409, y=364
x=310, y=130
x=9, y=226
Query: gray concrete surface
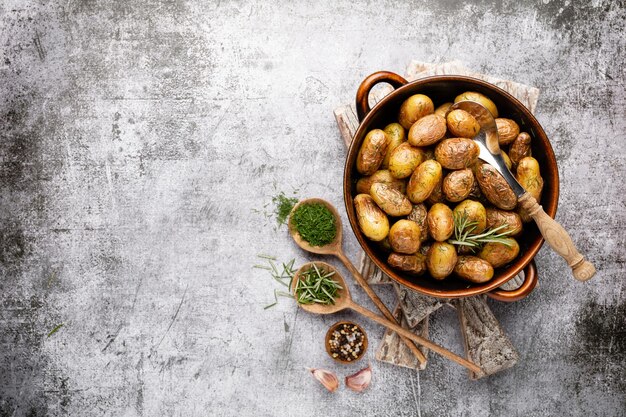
x=138, y=137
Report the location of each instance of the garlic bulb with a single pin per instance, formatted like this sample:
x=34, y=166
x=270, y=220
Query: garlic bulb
x=361, y=380
x=326, y=378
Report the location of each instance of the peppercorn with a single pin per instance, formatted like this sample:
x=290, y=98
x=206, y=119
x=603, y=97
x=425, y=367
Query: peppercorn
x=346, y=342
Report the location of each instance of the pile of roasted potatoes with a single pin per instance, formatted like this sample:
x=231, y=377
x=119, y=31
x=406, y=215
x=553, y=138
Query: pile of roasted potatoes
x=423, y=188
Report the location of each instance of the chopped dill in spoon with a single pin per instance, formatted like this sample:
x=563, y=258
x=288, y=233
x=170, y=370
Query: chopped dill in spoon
x=315, y=223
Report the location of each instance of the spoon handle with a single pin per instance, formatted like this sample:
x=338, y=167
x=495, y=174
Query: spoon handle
x=418, y=339
x=557, y=238
x=381, y=306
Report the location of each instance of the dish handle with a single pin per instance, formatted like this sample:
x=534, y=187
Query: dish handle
x=363, y=93
x=530, y=281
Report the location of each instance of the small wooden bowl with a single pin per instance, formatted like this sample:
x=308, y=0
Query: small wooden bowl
x=441, y=89
x=329, y=334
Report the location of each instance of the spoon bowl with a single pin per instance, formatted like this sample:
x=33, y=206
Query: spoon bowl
x=330, y=248
x=342, y=302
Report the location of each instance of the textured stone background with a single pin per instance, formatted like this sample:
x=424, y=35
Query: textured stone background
x=136, y=139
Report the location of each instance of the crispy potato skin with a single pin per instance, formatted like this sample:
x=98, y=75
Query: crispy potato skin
x=443, y=109
x=462, y=124
x=457, y=185
x=440, y=260
x=372, y=152
x=475, y=212
x=404, y=237
x=419, y=215
x=404, y=159
x=520, y=148
x=373, y=222
x=437, y=195
x=413, y=264
x=456, y=153
x=423, y=181
x=497, y=218
x=529, y=176
x=495, y=188
x=507, y=130
x=427, y=131
x=391, y=201
x=364, y=184
x=397, y=135
x=440, y=222
x=473, y=269
x=414, y=108
x=480, y=99
x=499, y=254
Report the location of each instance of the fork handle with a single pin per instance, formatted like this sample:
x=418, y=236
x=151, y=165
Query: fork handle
x=558, y=238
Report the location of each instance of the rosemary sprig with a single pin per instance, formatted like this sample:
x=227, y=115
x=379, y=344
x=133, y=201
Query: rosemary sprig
x=284, y=277
x=317, y=286
x=463, y=235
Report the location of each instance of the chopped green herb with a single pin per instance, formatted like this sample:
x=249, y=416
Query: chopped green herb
x=283, y=277
x=463, y=236
x=315, y=223
x=316, y=286
x=56, y=329
x=283, y=206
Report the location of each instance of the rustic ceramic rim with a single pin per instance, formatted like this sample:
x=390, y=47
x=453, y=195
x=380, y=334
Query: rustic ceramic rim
x=327, y=340
x=549, y=201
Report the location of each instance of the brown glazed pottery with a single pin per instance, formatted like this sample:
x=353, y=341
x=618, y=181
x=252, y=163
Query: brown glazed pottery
x=444, y=88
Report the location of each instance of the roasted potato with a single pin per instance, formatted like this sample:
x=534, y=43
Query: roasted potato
x=474, y=212
x=373, y=222
x=457, y=185
x=462, y=124
x=443, y=109
x=507, y=131
x=404, y=237
x=500, y=254
x=497, y=218
x=507, y=160
x=494, y=187
x=440, y=260
x=423, y=181
x=391, y=201
x=440, y=222
x=427, y=131
x=383, y=176
x=520, y=148
x=404, y=159
x=396, y=134
x=419, y=215
x=413, y=264
x=473, y=269
x=414, y=108
x=480, y=99
x=456, y=153
x=437, y=195
x=372, y=152
x=529, y=177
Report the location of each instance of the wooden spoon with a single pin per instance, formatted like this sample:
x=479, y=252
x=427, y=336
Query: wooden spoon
x=344, y=301
x=335, y=248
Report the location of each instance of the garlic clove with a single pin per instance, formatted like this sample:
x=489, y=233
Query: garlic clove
x=326, y=378
x=361, y=380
